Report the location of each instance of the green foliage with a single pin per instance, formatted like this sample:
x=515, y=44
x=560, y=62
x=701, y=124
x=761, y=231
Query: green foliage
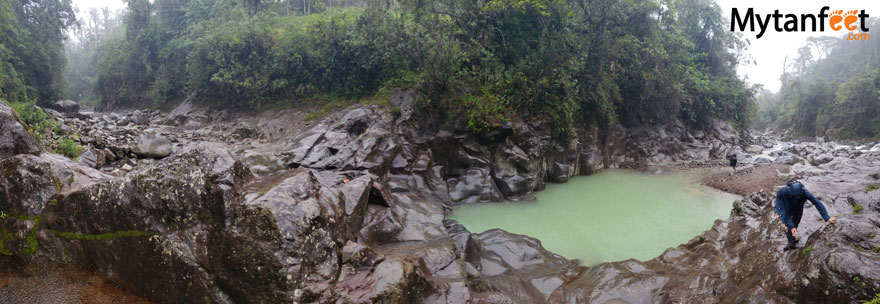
x=857, y=208
x=809, y=249
x=829, y=96
x=484, y=62
x=872, y=187
x=31, y=49
x=875, y=300
x=857, y=280
x=69, y=148
x=31, y=240
x=38, y=123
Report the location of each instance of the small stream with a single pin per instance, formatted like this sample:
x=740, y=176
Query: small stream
x=611, y=216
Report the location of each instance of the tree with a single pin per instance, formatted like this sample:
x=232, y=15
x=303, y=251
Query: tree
x=31, y=48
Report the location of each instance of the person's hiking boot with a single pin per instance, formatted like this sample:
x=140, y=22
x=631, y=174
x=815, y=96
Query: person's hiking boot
x=790, y=246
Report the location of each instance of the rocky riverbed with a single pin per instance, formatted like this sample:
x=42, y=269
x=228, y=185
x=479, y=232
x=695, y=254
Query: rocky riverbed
x=198, y=205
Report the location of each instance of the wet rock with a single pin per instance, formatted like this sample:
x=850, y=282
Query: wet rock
x=391, y=280
x=514, y=175
x=762, y=160
x=821, y=159
x=754, y=149
x=517, y=266
x=750, y=206
x=155, y=228
x=141, y=118
x=66, y=106
x=29, y=186
x=356, y=140
x=52, y=113
x=109, y=156
x=351, y=210
x=789, y=160
x=476, y=185
x=404, y=101
x=92, y=158
x=152, y=145
x=14, y=138
x=779, y=153
x=263, y=162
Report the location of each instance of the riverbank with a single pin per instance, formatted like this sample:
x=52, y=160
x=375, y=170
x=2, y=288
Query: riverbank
x=352, y=209
x=748, y=179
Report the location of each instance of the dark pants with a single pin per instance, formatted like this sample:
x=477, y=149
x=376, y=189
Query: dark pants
x=796, y=219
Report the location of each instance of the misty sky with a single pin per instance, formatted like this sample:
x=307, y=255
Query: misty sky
x=768, y=52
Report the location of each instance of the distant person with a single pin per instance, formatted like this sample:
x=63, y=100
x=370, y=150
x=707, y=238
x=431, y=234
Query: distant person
x=732, y=159
x=790, y=206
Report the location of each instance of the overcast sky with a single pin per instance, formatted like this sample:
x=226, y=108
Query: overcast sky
x=768, y=51
x=84, y=5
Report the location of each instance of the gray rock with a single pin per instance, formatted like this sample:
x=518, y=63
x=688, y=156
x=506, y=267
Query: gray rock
x=789, y=160
x=53, y=113
x=476, y=185
x=517, y=265
x=14, y=138
x=152, y=145
x=67, y=106
x=762, y=160
x=404, y=102
x=92, y=158
x=821, y=159
x=754, y=149
x=141, y=118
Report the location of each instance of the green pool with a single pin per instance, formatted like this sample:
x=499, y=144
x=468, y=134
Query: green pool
x=611, y=216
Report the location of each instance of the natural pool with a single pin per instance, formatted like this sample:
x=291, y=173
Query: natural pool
x=611, y=216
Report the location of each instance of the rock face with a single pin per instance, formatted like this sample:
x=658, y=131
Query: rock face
x=14, y=138
x=351, y=210
x=152, y=145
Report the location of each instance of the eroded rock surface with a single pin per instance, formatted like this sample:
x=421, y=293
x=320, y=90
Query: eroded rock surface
x=350, y=209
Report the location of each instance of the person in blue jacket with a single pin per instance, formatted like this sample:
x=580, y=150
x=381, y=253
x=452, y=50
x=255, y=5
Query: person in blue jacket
x=790, y=206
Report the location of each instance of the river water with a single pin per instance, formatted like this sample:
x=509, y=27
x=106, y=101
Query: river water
x=611, y=216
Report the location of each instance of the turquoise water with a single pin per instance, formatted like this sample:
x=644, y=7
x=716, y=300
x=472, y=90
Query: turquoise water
x=611, y=216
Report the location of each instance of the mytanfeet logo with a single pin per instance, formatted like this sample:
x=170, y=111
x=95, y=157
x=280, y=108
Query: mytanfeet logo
x=837, y=20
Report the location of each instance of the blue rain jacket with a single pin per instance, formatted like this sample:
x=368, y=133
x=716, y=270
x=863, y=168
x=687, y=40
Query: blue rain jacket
x=790, y=202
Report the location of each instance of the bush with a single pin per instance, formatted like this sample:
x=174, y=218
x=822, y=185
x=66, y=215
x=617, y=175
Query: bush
x=69, y=148
x=38, y=124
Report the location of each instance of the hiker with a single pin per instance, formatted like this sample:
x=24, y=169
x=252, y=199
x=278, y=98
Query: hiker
x=790, y=206
x=732, y=159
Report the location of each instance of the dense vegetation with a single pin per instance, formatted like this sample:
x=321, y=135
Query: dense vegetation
x=835, y=96
x=32, y=61
x=568, y=63
x=32, y=33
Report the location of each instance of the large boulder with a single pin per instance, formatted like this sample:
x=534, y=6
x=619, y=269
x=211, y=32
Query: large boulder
x=29, y=187
x=517, y=265
x=66, y=106
x=356, y=140
x=14, y=138
x=754, y=149
x=152, y=145
x=157, y=231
